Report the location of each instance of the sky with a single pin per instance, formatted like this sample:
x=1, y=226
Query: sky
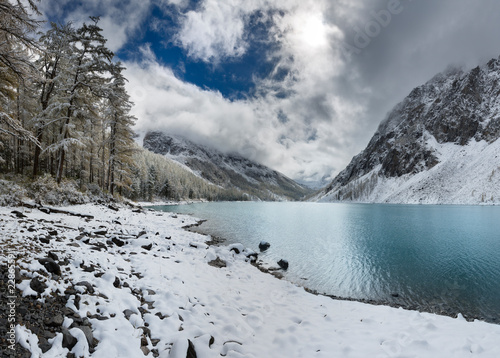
x=298, y=85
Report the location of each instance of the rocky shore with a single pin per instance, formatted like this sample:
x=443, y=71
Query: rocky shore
x=110, y=281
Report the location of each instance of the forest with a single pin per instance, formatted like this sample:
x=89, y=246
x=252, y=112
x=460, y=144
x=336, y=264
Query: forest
x=65, y=115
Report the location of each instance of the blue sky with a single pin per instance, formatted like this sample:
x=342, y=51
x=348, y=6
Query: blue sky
x=298, y=85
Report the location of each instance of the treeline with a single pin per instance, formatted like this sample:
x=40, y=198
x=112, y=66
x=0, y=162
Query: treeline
x=64, y=109
x=155, y=176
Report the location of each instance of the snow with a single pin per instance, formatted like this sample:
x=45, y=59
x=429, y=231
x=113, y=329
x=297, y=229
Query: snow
x=234, y=311
x=465, y=175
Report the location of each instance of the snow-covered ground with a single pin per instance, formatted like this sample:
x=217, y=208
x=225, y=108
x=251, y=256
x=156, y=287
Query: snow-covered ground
x=169, y=299
x=467, y=175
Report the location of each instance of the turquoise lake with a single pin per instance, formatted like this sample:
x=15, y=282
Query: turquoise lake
x=443, y=259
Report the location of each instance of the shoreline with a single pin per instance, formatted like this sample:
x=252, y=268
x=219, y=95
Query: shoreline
x=137, y=283
x=277, y=273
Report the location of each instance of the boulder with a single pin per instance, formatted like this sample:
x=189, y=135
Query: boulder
x=283, y=264
x=264, y=245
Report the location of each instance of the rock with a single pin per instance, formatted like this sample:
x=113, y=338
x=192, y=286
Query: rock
x=145, y=350
x=191, y=352
x=45, y=239
x=52, y=255
x=143, y=232
x=87, y=285
x=52, y=232
x=68, y=340
x=283, y=264
x=116, y=282
x=264, y=245
x=118, y=242
x=18, y=214
x=44, y=344
x=100, y=232
x=218, y=262
x=253, y=256
x=51, y=266
x=55, y=321
x=128, y=313
x=37, y=286
x=147, y=247
x=235, y=250
x=395, y=295
x=116, y=222
x=146, y=331
x=88, y=334
x=18, y=276
x=112, y=207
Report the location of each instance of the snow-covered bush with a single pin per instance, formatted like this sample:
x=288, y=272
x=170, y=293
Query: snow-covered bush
x=45, y=190
x=11, y=194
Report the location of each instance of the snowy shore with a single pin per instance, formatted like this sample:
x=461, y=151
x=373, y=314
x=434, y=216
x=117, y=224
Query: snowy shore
x=133, y=283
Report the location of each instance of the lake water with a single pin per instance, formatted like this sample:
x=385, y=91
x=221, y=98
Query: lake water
x=443, y=259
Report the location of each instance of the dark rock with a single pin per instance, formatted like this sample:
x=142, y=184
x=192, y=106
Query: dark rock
x=191, y=352
x=218, y=262
x=68, y=340
x=235, y=250
x=17, y=273
x=100, y=232
x=44, y=239
x=146, y=331
x=211, y=341
x=87, y=285
x=395, y=295
x=264, y=245
x=283, y=264
x=143, y=232
x=116, y=222
x=18, y=214
x=253, y=256
x=112, y=207
x=118, y=242
x=51, y=266
x=55, y=321
x=116, y=282
x=52, y=232
x=52, y=255
x=37, y=286
x=31, y=229
x=44, y=344
x=147, y=247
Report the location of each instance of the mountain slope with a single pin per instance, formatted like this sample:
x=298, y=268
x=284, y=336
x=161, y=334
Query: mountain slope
x=228, y=171
x=439, y=145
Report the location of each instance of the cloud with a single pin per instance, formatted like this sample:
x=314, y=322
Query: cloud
x=119, y=19
x=320, y=102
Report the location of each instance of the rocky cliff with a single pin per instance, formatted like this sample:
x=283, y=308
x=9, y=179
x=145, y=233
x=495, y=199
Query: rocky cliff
x=439, y=145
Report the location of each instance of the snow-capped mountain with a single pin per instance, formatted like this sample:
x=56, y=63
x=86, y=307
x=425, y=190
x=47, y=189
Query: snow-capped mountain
x=439, y=145
x=228, y=171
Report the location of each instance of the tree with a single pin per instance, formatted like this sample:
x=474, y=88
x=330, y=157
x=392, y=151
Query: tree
x=16, y=44
x=88, y=65
x=121, y=135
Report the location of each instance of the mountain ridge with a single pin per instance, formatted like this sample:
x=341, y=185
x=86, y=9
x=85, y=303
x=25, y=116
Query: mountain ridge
x=409, y=157
x=228, y=171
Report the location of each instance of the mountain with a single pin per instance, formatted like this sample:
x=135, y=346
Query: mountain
x=440, y=145
x=228, y=171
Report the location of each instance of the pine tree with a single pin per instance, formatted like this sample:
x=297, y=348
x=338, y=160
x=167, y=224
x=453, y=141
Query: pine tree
x=88, y=65
x=121, y=135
